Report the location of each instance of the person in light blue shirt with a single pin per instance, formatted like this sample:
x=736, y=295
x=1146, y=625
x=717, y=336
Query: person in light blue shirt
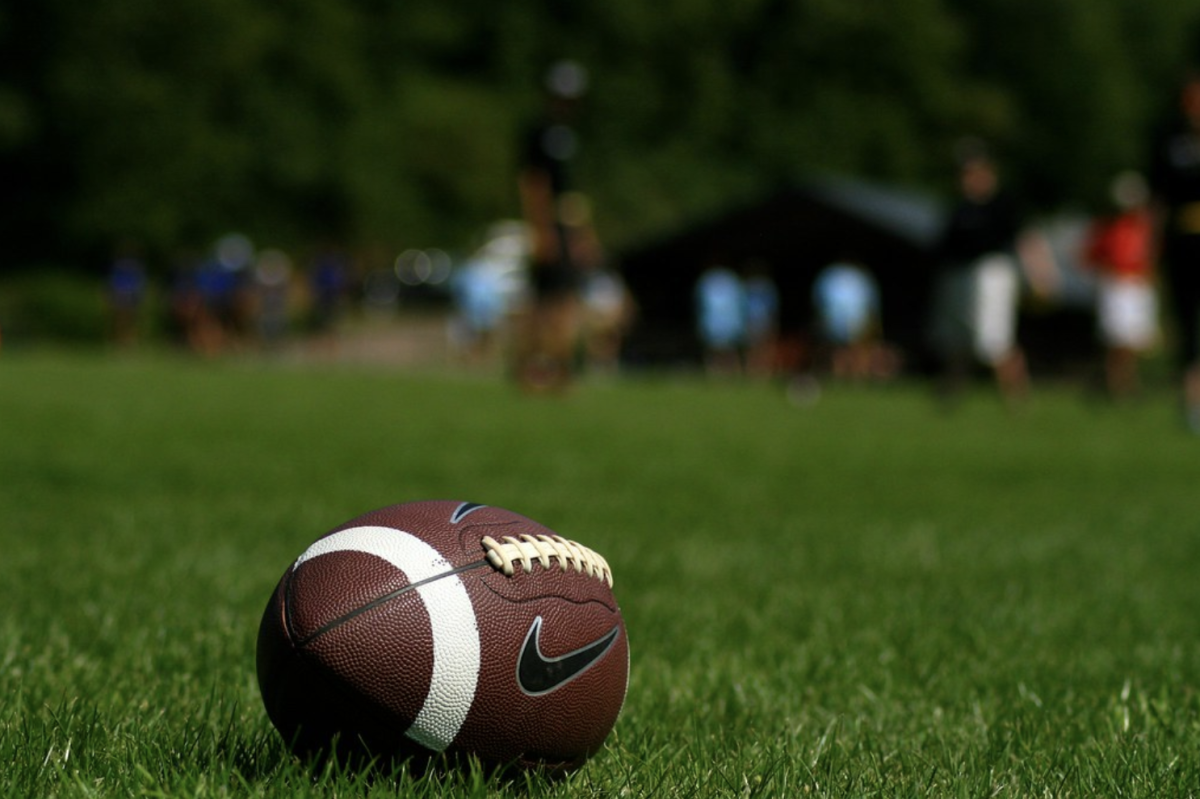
x=721, y=318
x=762, y=319
x=481, y=306
x=847, y=303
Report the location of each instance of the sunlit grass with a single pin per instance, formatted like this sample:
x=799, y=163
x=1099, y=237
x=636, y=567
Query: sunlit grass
x=864, y=597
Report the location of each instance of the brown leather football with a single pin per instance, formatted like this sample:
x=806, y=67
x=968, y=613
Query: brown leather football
x=445, y=626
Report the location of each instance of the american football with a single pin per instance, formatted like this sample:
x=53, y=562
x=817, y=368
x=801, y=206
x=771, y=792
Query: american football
x=445, y=627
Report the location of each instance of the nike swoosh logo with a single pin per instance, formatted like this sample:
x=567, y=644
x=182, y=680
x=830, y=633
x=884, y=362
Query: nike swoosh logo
x=462, y=510
x=539, y=675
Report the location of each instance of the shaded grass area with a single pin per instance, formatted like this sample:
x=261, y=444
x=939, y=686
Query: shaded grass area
x=865, y=597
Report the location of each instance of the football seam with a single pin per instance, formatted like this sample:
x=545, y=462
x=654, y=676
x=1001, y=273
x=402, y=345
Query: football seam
x=613, y=608
x=303, y=641
x=338, y=648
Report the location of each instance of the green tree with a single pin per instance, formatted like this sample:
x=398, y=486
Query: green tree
x=1081, y=82
x=384, y=125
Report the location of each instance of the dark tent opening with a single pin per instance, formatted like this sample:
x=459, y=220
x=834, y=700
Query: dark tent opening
x=792, y=235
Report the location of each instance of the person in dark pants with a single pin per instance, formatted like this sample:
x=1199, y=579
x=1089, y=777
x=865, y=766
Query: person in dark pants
x=1175, y=183
x=982, y=253
x=562, y=243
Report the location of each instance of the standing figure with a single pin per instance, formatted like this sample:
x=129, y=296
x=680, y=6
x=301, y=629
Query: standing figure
x=846, y=297
x=126, y=293
x=562, y=243
x=479, y=304
x=609, y=312
x=980, y=256
x=273, y=287
x=1120, y=249
x=1175, y=182
x=721, y=319
x=762, y=319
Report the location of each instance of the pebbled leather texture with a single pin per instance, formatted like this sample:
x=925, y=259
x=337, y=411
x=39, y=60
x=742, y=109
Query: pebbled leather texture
x=351, y=645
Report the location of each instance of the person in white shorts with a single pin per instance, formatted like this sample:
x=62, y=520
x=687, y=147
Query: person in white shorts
x=1120, y=249
x=977, y=290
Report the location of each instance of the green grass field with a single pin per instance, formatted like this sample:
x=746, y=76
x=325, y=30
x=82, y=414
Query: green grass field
x=861, y=598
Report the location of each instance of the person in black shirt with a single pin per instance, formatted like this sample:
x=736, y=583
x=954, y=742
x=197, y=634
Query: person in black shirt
x=1175, y=183
x=562, y=243
x=979, y=280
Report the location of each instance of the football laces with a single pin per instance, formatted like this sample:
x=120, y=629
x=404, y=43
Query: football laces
x=512, y=551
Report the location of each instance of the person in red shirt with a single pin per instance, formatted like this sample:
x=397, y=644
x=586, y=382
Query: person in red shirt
x=1120, y=248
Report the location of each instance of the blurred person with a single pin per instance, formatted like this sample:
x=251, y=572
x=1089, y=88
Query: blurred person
x=216, y=289
x=1175, y=185
x=185, y=302
x=608, y=313
x=126, y=293
x=762, y=319
x=273, y=290
x=480, y=306
x=563, y=243
x=328, y=282
x=846, y=298
x=980, y=255
x=720, y=301
x=1119, y=247
x=237, y=307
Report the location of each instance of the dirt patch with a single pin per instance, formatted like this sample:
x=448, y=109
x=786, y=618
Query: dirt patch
x=417, y=341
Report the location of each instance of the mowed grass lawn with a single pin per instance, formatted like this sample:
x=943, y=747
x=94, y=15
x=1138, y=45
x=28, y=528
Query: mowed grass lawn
x=862, y=598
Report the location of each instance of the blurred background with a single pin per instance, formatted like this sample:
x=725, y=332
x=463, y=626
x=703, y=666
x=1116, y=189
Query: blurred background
x=322, y=152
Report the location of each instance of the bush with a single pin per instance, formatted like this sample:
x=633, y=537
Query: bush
x=52, y=304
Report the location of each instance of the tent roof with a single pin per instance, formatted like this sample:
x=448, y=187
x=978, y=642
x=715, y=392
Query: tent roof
x=906, y=214
x=825, y=217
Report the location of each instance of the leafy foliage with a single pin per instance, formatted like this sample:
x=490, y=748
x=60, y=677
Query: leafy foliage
x=375, y=123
